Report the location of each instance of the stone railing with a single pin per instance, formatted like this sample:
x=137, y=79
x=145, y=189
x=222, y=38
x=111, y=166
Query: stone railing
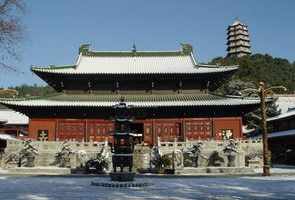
x=248, y=149
x=190, y=143
x=47, y=151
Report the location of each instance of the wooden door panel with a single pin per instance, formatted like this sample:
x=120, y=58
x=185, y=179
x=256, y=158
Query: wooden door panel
x=71, y=130
x=198, y=129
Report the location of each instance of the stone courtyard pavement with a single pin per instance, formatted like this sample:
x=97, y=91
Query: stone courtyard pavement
x=182, y=188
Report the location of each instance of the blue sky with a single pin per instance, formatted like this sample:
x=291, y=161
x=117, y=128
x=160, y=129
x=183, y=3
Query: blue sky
x=56, y=28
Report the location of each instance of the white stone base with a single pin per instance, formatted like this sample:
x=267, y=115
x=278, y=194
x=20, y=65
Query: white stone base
x=37, y=171
x=214, y=170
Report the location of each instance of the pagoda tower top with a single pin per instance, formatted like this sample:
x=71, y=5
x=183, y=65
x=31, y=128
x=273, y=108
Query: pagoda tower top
x=238, y=40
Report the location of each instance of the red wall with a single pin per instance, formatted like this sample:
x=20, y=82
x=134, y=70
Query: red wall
x=42, y=124
x=166, y=129
x=221, y=125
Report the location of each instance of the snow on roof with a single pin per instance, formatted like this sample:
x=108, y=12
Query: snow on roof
x=282, y=116
x=236, y=22
x=144, y=103
x=282, y=133
x=6, y=137
x=135, y=65
x=135, y=62
x=286, y=102
x=12, y=117
x=287, y=106
x=245, y=130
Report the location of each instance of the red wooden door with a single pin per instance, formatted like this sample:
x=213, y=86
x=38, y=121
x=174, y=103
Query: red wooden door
x=71, y=130
x=100, y=130
x=198, y=128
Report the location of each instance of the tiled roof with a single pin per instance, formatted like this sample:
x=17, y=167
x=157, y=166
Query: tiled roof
x=138, y=62
x=288, y=114
x=6, y=137
x=12, y=117
x=134, y=100
x=285, y=102
x=135, y=65
x=134, y=97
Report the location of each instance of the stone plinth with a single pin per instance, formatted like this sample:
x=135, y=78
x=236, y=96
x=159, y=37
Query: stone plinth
x=121, y=184
x=122, y=176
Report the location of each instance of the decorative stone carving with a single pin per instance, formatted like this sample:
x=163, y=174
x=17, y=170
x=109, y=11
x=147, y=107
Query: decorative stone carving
x=62, y=158
x=230, y=151
x=215, y=159
x=82, y=158
x=25, y=157
x=101, y=163
x=165, y=163
x=192, y=155
x=155, y=158
x=254, y=159
x=178, y=159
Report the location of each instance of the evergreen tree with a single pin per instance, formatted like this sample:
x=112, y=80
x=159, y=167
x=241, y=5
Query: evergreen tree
x=258, y=67
x=253, y=69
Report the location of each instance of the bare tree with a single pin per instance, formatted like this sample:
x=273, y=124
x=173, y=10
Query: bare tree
x=11, y=30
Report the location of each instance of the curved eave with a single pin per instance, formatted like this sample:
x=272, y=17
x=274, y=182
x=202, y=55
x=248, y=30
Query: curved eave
x=135, y=104
x=143, y=109
x=3, y=121
x=200, y=70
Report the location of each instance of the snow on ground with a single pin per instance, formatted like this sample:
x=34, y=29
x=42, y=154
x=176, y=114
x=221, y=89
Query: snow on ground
x=273, y=178
x=218, y=188
x=279, y=169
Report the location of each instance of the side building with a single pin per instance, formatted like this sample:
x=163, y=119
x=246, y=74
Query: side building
x=168, y=92
x=13, y=123
x=282, y=132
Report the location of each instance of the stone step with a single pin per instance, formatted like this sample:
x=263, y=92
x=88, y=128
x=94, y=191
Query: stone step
x=38, y=171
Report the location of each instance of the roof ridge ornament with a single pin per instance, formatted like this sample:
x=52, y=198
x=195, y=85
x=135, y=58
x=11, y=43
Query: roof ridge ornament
x=186, y=48
x=84, y=49
x=237, y=20
x=134, y=48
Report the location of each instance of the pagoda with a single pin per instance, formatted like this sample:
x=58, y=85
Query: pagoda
x=170, y=93
x=238, y=40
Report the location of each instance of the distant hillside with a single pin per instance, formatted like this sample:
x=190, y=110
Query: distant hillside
x=258, y=67
x=253, y=69
x=27, y=90
x=33, y=90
